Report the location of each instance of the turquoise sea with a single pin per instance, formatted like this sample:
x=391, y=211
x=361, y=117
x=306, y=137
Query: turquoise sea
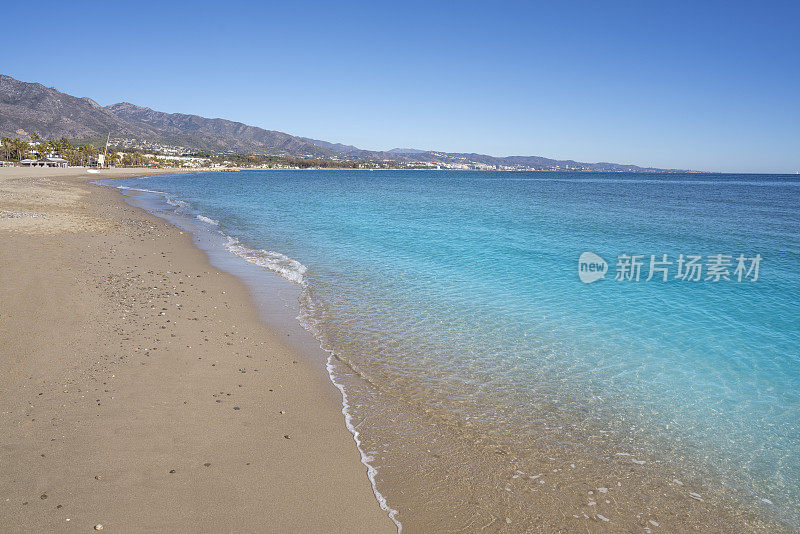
x=454, y=309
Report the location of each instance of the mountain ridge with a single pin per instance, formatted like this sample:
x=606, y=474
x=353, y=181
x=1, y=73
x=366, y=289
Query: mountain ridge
x=26, y=107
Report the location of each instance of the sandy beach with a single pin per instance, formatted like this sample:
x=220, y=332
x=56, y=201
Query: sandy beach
x=138, y=388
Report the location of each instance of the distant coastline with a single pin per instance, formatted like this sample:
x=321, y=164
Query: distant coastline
x=28, y=112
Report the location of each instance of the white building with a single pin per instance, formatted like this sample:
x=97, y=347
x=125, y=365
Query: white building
x=52, y=161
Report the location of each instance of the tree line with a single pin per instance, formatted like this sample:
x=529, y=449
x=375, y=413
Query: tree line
x=16, y=150
x=87, y=155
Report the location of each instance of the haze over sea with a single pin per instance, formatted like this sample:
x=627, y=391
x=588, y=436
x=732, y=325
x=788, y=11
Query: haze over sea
x=453, y=305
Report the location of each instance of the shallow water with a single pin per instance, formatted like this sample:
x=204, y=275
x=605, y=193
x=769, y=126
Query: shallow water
x=474, y=358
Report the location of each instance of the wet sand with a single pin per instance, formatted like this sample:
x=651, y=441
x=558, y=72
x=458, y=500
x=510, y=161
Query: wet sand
x=140, y=391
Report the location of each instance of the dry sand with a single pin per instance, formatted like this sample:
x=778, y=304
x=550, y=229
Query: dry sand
x=140, y=391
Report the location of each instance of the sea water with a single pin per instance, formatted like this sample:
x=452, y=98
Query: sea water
x=472, y=354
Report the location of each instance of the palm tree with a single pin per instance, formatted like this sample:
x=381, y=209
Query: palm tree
x=6, y=144
x=64, y=145
x=22, y=148
x=88, y=154
x=112, y=157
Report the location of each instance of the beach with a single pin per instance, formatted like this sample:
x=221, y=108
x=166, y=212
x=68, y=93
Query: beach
x=140, y=391
x=172, y=348
x=491, y=389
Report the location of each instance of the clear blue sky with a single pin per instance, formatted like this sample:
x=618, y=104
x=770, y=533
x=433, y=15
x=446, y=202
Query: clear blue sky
x=701, y=85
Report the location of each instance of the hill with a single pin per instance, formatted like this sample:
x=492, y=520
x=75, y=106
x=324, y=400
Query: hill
x=215, y=135
x=28, y=107
x=32, y=107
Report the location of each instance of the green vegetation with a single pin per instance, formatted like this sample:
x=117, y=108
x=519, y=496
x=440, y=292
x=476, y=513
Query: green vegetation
x=16, y=150
x=133, y=159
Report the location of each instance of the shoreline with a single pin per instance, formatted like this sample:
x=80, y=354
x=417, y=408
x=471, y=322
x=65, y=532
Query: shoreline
x=100, y=427
x=645, y=477
x=274, y=295
x=660, y=492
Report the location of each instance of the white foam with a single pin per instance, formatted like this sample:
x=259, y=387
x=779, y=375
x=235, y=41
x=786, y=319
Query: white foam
x=171, y=201
x=177, y=203
x=276, y=262
x=372, y=472
x=208, y=220
x=294, y=271
x=138, y=189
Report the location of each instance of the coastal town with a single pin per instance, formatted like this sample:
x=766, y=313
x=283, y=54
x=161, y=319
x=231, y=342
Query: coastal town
x=127, y=135
x=38, y=152
x=30, y=150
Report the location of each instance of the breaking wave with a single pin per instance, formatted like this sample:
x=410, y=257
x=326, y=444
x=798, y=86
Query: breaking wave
x=208, y=220
x=276, y=262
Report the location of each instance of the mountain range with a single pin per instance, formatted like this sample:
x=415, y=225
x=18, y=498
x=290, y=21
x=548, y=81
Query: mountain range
x=31, y=107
